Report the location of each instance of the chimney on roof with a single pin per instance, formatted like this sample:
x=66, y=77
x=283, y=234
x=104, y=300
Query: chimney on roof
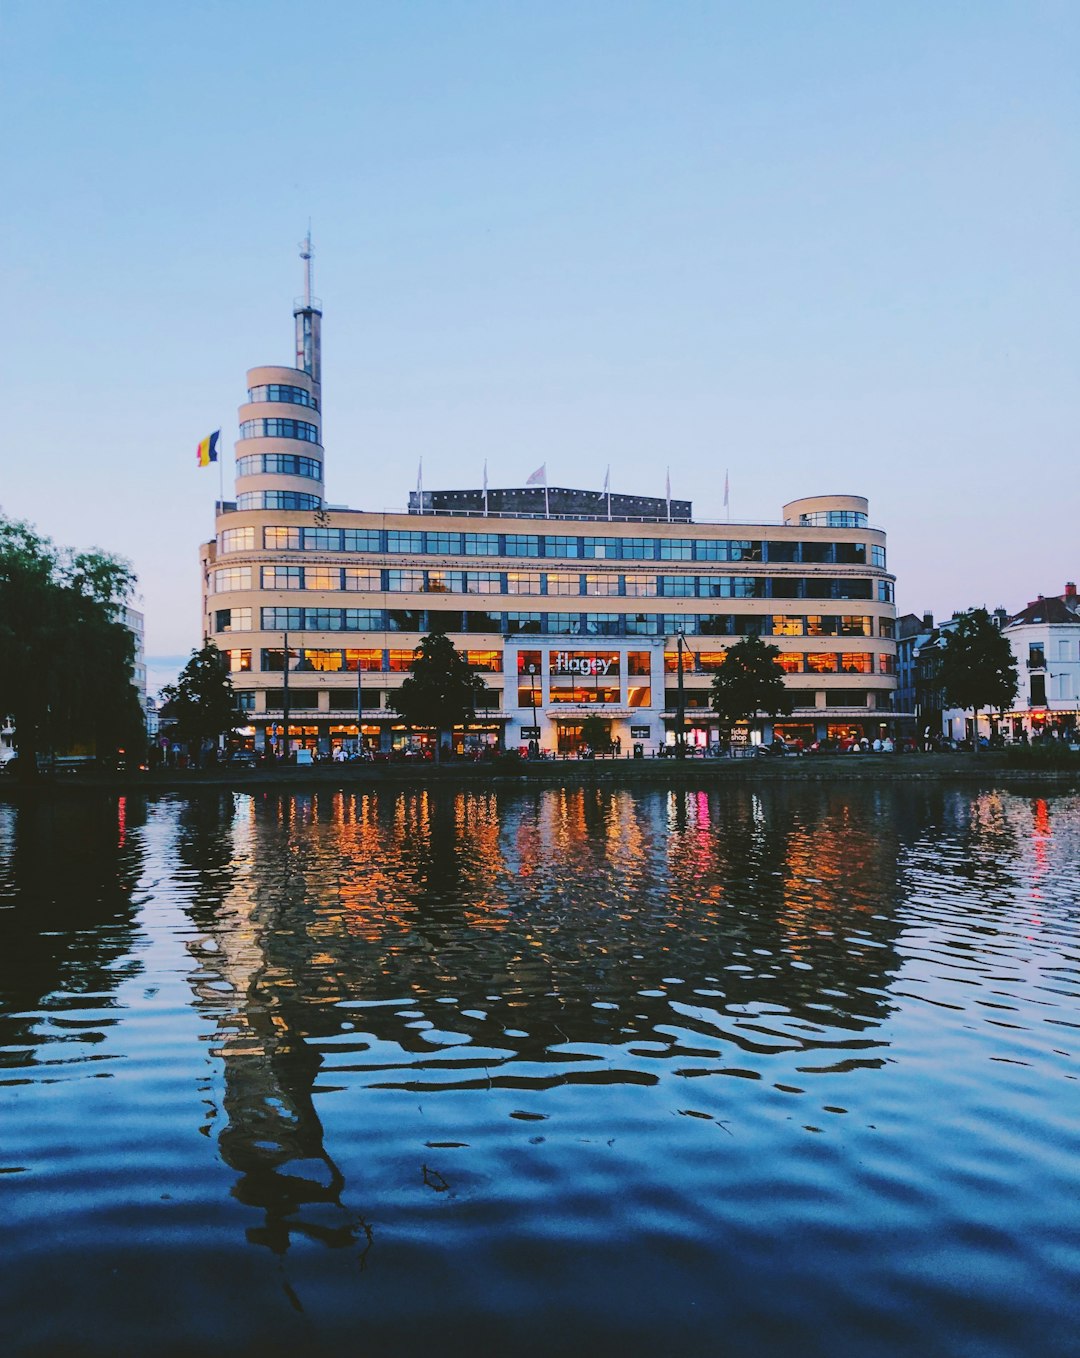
x=1070, y=591
x=928, y=620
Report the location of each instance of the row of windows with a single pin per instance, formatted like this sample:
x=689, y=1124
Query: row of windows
x=294, y=619
x=723, y=624
x=353, y=578
x=553, y=546
x=834, y=518
x=277, y=428
x=307, y=700
x=288, y=464
x=277, y=499
x=336, y=660
x=296, y=396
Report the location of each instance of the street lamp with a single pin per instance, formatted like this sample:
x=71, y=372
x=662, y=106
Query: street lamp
x=530, y=670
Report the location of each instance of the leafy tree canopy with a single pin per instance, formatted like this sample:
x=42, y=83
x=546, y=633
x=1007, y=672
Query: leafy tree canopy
x=977, y=666
x=748, y=682
x=442, y=691
x=201, y=704
x=66, y=657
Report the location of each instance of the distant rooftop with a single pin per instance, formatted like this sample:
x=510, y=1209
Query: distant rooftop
x=555, y=502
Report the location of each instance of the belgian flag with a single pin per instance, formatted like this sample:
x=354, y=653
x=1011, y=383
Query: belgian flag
x=207, y=450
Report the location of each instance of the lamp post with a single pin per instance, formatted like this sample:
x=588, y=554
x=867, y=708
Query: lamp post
x=680, y=714
x=359, y=704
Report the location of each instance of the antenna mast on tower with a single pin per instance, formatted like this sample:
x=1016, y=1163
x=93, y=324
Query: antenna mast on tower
x=308, y=313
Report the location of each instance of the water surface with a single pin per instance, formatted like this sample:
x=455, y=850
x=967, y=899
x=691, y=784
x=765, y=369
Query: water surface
x=750, y=1073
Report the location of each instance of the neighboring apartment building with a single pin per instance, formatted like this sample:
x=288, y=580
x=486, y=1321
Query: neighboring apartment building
x=1045, y=638
x=571, y=603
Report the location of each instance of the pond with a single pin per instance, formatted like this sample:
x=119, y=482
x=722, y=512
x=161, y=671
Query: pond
x=754, y=1072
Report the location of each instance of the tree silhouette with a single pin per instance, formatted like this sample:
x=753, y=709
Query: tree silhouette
x=442, y=690
x=748, y=682
x=201, y=704
x=977, y=666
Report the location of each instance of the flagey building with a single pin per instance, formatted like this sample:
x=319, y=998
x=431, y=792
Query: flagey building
x=570, y=603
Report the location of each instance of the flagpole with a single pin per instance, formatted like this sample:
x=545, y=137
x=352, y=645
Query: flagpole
x=485, y=489
x=607, y=487
x=547, y=507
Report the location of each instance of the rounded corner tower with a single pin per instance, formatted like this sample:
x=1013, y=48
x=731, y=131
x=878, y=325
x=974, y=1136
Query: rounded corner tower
x=279, y=454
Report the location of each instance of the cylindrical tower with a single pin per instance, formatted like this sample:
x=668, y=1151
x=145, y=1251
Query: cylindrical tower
x=279, y=454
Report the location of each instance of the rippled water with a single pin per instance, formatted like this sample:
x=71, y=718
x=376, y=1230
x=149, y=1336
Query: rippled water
x=587, y=1071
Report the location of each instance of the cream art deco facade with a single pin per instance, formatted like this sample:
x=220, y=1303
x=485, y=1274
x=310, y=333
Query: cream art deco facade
x=569, y=603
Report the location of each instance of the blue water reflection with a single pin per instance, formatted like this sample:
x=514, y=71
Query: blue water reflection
x=788, y=1071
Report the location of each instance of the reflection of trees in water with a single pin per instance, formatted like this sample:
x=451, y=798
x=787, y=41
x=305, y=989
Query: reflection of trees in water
x=68, y=870
x=272, y=1136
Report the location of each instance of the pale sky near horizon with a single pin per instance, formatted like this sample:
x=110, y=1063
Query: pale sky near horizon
x=822, y=246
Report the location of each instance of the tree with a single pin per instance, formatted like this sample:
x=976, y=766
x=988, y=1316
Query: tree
x=977, y=666
x=442, y=691
x=201, y=704
x=66, y=657
x=748, y=682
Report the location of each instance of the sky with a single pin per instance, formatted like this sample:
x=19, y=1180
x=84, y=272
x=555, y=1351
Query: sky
x=818, y=247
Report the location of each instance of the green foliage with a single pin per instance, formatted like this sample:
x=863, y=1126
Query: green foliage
x=66, y=658
x=201, y=703
x=442, y=691
x=748, y=682
x=977, y=665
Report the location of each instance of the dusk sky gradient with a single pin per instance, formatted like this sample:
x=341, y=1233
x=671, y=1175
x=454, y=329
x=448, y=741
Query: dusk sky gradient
x=829, y=247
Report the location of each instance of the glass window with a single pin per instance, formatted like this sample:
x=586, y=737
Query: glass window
x=446, y=582
x=488, y=661
x=783, y=551
x=402, y=541
x=277, y=499
x=523, y=582
x=238, y=660
x=676, y=549
x=821, y=662
x=277, y=428
x=710, y=661
x=603, y=624
x=245, y=699
x=404, y=620
x=601, y=548
x=641, y=624
x=283, y=464
x=232, y=577
x=886, y=627
x=854, y=625
x=282, y=577
x=483, y=582
x=851, y=553
x=445, y=544
x=638, y=662
x=731, y=586
x=561, y=546
x=877, y=555
x=400, y=662
x=640, y=586
x=522, y=544
x=357, y=578
x=639, y=549
x=527, y=658
x=238, y=540
x=562, y=584
x=601, y=584
x=361, y=539
x=232, y=620
x=819, y=625
x=324, y=660
x=678, y=586
x=856, y=662
x=886, y=664
x=281, y=539
x=884, y=591
x=322, y=619
x=480, y=621
x=322, y=539
x=363, y=619
x=322, y=577
x=791, y=662
x=817, y=553
x=444, y=620
x=482, y=544
x=564, y=624
x=405, y=582
x=834, y=518
x=279, y=394
x=785, y=625
x=282, y=619
x=370, y=661
x=523, y=622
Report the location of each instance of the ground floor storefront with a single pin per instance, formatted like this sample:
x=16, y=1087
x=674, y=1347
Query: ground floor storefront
x=334, y=738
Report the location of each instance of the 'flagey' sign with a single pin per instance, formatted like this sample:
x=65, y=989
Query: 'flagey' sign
x=567, y=662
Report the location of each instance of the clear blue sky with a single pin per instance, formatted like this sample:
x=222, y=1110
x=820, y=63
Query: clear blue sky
x=830, y=246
